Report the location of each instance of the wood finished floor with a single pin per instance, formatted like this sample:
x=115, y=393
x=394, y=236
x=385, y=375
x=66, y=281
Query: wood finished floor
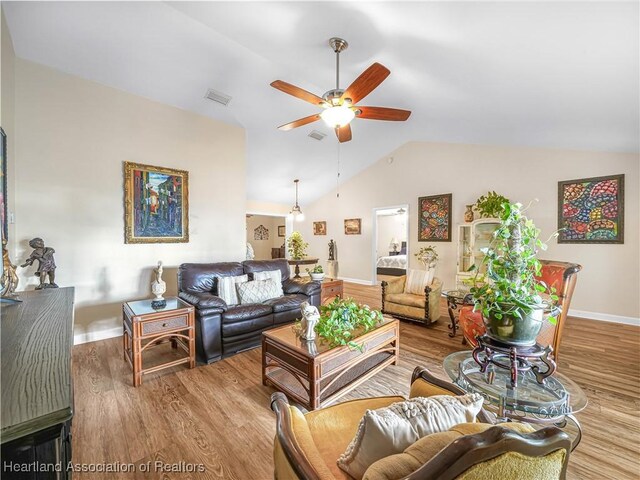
x=218, y=415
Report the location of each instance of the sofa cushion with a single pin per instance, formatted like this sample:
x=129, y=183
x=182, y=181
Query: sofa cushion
x=202, y=277
x=287, y=302
x=417, y=280
x=239, y=313
x=252, y=266
x=257, y=291
x=227, y=288
x=408, y=299
x=390, y=430
x=275, y=275
x=203, y=300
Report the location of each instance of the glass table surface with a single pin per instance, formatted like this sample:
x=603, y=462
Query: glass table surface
x=143, y=307
x=556, y=397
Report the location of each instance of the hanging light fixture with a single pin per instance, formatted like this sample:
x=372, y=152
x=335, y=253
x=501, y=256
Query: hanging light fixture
x=296, y=212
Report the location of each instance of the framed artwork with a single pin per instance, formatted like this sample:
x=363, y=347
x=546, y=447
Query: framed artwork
x=591, y=210
x=4, y=214
x=434, y=218
x=261, y=233
x=319, y=228
x=156, y=204
x=353, y=226
x=281, y=231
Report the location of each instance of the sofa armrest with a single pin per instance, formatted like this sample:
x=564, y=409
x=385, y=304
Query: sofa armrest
x=204, y=300
x=307, y=288
x=395, y=285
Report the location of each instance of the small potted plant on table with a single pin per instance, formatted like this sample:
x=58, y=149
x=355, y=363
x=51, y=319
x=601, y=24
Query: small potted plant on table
x=316, y=274
x=508, y=294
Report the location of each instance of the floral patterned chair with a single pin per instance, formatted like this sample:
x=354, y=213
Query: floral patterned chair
x=560, y=275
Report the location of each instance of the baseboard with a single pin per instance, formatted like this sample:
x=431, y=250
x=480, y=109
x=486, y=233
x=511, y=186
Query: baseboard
x=357, y=280
x=95, y=336
x=605, y=317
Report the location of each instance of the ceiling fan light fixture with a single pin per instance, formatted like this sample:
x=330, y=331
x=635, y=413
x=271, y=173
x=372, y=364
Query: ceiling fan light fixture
x=338, y=116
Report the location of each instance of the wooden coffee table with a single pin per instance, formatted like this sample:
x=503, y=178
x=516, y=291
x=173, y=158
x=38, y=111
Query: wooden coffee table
x=314, y=374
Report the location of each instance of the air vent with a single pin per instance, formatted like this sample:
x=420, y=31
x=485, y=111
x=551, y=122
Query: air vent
x=218, y=97
x=316, y=135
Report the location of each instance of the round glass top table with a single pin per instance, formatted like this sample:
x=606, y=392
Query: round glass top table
x=552, y=402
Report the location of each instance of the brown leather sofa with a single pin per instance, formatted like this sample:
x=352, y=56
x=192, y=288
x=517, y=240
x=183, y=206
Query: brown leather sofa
x=223, y=330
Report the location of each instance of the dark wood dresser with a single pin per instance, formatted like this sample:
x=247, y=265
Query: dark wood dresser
x=37, y=389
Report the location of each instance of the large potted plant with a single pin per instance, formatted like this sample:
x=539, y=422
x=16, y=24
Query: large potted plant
x=508, y=294
x=344, y=320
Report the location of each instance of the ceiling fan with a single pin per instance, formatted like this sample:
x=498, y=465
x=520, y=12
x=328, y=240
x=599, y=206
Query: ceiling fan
x=340, y=105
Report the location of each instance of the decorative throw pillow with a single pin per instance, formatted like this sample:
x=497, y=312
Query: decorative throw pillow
x=416, y=281
x=257, y=291
x=387, y=431
x=227, y=288
x=275, y=275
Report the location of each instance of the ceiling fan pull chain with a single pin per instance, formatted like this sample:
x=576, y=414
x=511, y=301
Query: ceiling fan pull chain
x=338, y=176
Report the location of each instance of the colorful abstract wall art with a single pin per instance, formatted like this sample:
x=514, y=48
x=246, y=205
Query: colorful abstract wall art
x=591, y=210
x=434, y=218
x=156, y=205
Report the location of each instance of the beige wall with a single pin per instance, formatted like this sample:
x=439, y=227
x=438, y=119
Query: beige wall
x=389, y=227
x=262, y=248
x=609, y=283
x=73, y=136
x=7, y=113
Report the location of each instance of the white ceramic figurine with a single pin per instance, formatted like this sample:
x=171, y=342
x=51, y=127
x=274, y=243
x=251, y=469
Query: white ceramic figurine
x=310, y=317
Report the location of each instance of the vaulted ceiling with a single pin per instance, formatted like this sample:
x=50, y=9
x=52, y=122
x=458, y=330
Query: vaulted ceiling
x=548, y=74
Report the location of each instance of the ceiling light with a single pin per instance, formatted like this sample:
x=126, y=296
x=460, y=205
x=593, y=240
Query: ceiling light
x=296, y=212
x=338, y=116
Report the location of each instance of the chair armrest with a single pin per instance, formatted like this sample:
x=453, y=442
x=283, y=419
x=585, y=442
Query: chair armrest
x=471, y=451
x=425, y=384
x=308, y=288
x=434, y=289
x=204, y=300
x=395, y=285
x=297, y=455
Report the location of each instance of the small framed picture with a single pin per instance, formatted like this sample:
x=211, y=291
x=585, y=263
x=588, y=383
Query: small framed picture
x=319, y=228
x=353, y=226
x=281, y=231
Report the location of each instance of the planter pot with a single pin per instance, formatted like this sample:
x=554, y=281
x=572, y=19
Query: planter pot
x=316, y=277
x=515, y=331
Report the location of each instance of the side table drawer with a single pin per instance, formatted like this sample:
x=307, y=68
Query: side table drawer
x=158, y=326
x=332, y=291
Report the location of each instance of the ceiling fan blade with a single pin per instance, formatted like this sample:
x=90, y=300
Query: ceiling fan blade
x=297, y=92
x=300, y=122
x=344, y=133
x=366, y=83
x=383, y=113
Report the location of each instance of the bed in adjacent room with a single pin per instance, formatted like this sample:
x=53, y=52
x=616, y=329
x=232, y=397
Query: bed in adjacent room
x=392, y=265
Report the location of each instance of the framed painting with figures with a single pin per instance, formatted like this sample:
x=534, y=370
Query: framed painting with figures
x=156, y=205
x=591, y=210
x=434, y=218
x=319, y=228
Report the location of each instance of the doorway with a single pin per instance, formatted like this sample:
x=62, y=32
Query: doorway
x=266, y=235
x=390, y=242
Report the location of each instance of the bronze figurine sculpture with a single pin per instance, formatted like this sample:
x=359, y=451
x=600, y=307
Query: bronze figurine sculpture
x=46, y=264
x=332, y=250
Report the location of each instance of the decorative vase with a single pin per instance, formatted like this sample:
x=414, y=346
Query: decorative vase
x=468, y=214
x=515, y=331
x=158, y=287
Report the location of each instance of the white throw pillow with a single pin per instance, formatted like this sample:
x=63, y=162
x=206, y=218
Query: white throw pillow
x=275, y=275
x=227, y=288
x=390, y=430
x=257, y=291
x=416, y=281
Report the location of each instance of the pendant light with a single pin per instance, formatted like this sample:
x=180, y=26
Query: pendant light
x=296, y=212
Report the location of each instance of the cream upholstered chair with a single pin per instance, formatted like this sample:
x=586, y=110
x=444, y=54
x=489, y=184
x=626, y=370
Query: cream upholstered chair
x=307, y=446
x=423, y=308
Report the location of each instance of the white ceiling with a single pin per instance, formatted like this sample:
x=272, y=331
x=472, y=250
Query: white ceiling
x=549, y=74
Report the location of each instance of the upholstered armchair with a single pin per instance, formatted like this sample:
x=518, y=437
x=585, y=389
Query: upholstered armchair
x=423, y=308
x=307, y=446
x=560, y=275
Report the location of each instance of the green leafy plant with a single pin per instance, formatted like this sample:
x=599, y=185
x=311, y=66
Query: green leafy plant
x=296, y=246
x=490, y=205
x=316, y=269
x=343, y=320
x=509, y=287
x=427, y=256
